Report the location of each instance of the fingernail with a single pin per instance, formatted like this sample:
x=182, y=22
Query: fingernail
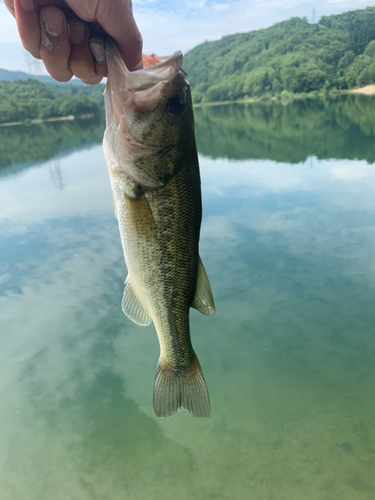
x=76, y=31
x=98, y=50
x=53, y=22
x=27, y=5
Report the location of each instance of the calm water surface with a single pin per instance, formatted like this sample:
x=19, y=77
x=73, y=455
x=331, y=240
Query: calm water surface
x=288, y=241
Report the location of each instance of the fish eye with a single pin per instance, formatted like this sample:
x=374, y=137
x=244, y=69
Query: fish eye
x=175, y=105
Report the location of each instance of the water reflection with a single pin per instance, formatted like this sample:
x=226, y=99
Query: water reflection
x=342, y=128
x=56, y=174
x=23, y=145
x=289, y=357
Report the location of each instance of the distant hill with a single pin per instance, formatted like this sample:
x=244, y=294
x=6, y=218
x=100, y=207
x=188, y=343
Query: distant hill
x=21, y=75
x=25, y=100
x=292, y=56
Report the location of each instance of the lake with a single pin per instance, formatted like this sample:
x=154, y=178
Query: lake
x=288, y=242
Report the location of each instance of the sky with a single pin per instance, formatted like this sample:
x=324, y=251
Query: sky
x=170, y=25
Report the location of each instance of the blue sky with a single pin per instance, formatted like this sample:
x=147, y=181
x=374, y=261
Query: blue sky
x=170, y=25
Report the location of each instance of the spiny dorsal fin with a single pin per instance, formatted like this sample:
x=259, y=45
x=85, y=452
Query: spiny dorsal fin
x=203, y=300
x=132, y=308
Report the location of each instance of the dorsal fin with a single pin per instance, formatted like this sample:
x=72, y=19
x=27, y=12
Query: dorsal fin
x=132, y=308
x=203, y=300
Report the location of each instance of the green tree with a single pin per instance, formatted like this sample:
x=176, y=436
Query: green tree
x=355, y=69
x=370, y=49
x=367, y=75
x=293, y=55
x=345, y=61
x=26, y=100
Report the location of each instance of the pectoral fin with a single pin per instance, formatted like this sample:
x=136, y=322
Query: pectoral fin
x=132, y=308
x=203, y=300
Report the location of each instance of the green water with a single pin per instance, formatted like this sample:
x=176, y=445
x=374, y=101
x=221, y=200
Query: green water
x=288, y=241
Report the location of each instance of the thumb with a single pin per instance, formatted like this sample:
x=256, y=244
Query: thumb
x=116, y=17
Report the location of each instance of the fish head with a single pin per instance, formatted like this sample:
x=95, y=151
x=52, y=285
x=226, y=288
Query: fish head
x=149, y=117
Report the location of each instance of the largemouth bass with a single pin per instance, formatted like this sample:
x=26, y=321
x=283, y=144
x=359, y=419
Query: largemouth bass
x=149, y=147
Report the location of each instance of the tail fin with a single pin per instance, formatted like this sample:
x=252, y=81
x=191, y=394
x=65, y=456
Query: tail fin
x=187, y=390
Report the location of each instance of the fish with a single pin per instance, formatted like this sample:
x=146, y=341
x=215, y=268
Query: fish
x=149, y=147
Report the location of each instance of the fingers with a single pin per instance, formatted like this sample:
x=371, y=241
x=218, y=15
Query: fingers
x=55, y=46
x=131, y=50
x=27, y=19
x=81, y=61
x=64, y=42
x=117, y=19
x=63, y=46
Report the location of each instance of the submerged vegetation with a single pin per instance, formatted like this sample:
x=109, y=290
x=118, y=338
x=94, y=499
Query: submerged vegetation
x=23, y=100
x=293, y=56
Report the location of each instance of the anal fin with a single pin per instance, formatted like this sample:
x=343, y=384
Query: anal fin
x=203, y=300
x=132, y=308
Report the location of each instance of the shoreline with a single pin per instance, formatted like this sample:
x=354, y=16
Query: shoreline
x=368, y=90
x=55, y=119
x=268, y=98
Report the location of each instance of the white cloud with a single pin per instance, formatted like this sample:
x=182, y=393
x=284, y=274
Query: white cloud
x=221, y=6
x=348, y=173
x=196, y=5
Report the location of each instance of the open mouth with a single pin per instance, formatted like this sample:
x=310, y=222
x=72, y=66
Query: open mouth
x=134, y=81
x=139, y=86
x=146, y=113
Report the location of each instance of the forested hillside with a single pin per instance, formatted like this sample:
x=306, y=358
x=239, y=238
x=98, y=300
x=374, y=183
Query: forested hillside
x=293, y=56
x=29, y=99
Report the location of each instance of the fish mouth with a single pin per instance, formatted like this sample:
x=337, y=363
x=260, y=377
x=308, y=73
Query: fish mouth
x=143, y=86
x=134, y=81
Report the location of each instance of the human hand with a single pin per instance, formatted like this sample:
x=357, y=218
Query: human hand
x=61, y=33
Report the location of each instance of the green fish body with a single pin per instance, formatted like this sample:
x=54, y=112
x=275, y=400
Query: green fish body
x=151, y=155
